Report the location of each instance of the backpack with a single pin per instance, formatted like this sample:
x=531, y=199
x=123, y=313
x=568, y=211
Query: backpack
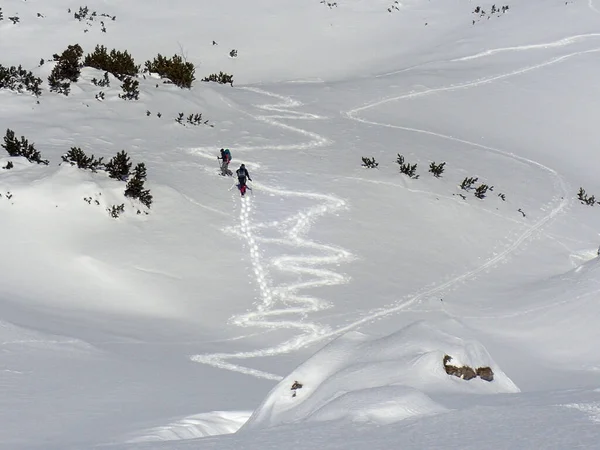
x=227, y=154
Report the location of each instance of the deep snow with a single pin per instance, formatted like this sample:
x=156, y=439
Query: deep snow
x=152, y=331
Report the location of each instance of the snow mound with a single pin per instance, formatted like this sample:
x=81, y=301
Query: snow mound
x=196, y=426
x=360, y=379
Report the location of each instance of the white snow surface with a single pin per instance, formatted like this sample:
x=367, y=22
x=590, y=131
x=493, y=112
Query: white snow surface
x=185, y=325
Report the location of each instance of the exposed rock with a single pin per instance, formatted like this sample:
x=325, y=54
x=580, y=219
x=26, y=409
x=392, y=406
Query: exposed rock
x=466, y=372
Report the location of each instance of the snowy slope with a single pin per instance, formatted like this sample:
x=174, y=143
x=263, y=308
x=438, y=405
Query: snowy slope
x=195, y=319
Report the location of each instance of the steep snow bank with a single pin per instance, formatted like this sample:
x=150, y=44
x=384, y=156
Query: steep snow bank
x=357, y=378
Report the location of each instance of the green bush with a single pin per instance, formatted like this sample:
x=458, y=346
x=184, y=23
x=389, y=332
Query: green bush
x=175, y=69
x=221, y=78
x=120, y=64
x=67, y=69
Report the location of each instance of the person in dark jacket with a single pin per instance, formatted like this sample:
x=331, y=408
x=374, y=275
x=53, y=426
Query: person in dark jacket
x=242, y=174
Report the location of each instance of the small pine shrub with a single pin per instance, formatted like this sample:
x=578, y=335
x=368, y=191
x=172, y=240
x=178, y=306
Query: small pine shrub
x=131, y=89
x=116, y=210
x=119, y=166
x=67, y=69
x=406, y=168
x=77, y=157
x=468, y=183
x=481, y=190
x=135, y=186
x=104, y=82
x=120, y=64
x=14, y=147
x=221, y=78
x=9, y=165
x=369, y=163
x=437, y=169
x=233, y=53
x=584, y=199
x=175, y=69
x=18, y=79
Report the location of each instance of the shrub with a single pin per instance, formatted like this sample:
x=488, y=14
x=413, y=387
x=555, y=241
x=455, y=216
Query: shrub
x=221, y=78
x=468, y=183
x=14, y=147
x=179, y=72
x=369, y=163
x=135, y=186
x=18, y=79
x=104, y=82
x=9, y=165
x=130, y=89
x=120, y=64
x=116, y=210
x=67, y=69
x=584, y=199
x=437, y=169
x=481, y=191
x=119, y=166
x=77, y=157
x=406, y=168
x=233, y=53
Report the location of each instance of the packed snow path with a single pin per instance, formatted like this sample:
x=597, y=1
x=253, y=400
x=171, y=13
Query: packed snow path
x=277, y=303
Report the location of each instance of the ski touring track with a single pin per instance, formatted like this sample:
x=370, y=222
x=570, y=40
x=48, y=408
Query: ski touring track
x=277, y=303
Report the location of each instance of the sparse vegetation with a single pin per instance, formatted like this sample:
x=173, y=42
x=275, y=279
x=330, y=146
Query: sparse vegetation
x=369, y=163
x=67, y=69
x=585, y=199
x=119, y=166
x=120, y=64
x=76, y=157
x=22, y=147
x=406, y=168
x=436, y=169
x=104, y=82
x=135, y=186
x=175, y=69
x=131, y=89
x=18, y=79
x=221, y=78
x=468, y=183
x=116, y=210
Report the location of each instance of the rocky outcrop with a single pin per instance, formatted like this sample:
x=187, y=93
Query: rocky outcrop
x=466, y=372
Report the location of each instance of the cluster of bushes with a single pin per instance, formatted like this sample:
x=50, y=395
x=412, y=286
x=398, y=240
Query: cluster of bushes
x=66, y=70
x=221, y=78
x=118, y=167
x=19, y=80
x=394, y=7
x=585, y=199
x=175, y=69
x=21, y=147
x=120, y=64
x=192, y=119
x=480, y=12
x=437, y=169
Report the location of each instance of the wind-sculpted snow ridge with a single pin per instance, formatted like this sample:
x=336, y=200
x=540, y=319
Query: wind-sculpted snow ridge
x=379, y=381
x=284, y=306
x=195, y=426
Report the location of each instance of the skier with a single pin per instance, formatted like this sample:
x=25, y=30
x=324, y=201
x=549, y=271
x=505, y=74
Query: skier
x=242, y=174
x=226, y=158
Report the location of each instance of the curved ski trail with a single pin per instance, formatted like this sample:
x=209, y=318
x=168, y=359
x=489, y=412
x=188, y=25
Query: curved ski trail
x=278, y=302
x=284, y=307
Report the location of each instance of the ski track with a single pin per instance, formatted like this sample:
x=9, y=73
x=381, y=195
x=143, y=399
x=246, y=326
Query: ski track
x=283, y=307
x=278, y=302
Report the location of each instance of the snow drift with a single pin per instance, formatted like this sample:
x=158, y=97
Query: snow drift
x=360, y=379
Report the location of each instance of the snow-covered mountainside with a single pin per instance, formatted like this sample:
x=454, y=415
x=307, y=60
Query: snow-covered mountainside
x=415, y=264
